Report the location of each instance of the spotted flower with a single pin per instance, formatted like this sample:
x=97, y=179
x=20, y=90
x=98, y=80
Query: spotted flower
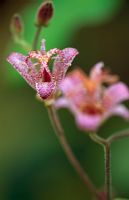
x=90, y=100
x=34, y=68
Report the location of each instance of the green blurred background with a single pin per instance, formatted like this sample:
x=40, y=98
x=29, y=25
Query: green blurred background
x=32, y=163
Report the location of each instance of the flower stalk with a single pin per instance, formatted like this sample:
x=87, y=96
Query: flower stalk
x=108, y=187
x=37, y=34
x=68, y=151
x=107, y=156
x=118, y=135
x=25, y=45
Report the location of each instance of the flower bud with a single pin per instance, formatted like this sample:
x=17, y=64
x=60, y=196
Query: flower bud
x=45, y=13
x=16, y=25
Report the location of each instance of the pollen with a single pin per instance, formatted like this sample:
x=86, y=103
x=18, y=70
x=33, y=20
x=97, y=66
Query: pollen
x=44, y=59
x=38, y=56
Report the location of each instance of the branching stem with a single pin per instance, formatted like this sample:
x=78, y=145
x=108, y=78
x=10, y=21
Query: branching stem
x=107, y=156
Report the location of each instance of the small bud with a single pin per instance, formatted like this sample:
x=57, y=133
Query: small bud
x=16, y=25
x=45, y=13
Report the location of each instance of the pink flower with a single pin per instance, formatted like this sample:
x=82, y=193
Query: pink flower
x=34, y=68
x=90, y=100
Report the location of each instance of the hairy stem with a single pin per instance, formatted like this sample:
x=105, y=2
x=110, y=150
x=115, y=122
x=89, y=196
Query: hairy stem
x=37, y=33
x=68, y=151
x=108, y=171
x=118, y=135
x=107, y=155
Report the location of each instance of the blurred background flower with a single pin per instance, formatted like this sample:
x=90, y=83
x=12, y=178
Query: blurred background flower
x=33, y=165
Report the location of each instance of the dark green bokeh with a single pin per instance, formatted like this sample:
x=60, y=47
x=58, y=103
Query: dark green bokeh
x=33, y=165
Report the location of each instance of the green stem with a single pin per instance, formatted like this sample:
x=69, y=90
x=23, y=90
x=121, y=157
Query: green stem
x=108, y=171
x=107, y=155
x=68, y=151
x=96, y=138
x=118, y=135
x=37, y=33
x=26, y=46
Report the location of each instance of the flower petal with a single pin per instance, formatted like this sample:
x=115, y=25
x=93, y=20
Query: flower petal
x=88, y=122
x=62, y=62
x=84, y=121
x=100, y=75
x=46, y=75
x=23, y=66
x=45, y=89
x=67, y=85
x=115, y=94
x=119, y=110
x=96, y=71
x=61, y=103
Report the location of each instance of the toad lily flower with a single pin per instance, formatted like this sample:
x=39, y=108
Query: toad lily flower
x=34, y=68
x=90, y=100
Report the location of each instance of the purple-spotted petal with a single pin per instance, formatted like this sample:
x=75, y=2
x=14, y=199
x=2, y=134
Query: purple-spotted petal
x=88, y=122
x=119, y=110
x=62, y=62
x=45, y=89
x=23, y=66
x=115, y=94
x=68, y=54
